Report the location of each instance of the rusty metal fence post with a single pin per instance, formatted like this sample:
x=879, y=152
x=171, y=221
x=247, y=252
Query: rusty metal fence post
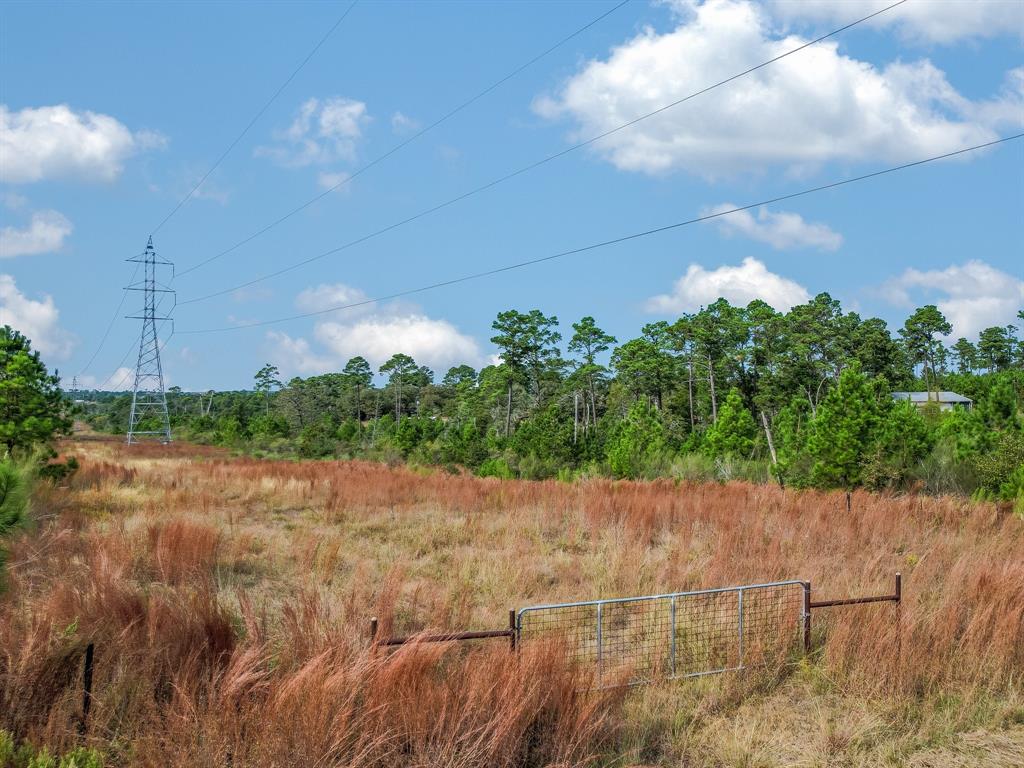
x=87, y=670
x=899, y=633
x=807, y=616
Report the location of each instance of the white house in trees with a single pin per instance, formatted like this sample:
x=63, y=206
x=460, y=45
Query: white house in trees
x=947, y=400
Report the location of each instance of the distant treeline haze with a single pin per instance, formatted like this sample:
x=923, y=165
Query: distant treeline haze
x=802, y=397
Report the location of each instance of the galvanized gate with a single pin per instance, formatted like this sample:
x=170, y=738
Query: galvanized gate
x=632, y=640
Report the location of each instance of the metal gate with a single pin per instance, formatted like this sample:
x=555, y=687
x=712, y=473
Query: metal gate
x=632, y=640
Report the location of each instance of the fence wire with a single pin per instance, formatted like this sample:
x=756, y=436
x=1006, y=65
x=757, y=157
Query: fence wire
x=683, y=634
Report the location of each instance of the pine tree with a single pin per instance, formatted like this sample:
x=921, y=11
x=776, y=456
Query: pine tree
x=903, y=439
x=844, y=431
x=920, y=333
x=791, y=434
x=32, y=407
x=357, y=372
x=636, y=442
x=733, y=434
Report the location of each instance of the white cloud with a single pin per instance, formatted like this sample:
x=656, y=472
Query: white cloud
x=124, y=378
x=329, y=180
x=14, y=201
x=739, y=285
x=121, y=379
x=188, y=356
x=807, y=109
x=973, y=296
x=403, y=123
x=945, y=21
x=432, y=342
x=781, y=230
x=208, y=189
x=45, y=233
x=251, y=293
x=38, y=143
x=322, y=132
x=36, y=319
x=328, y=295
x=374, y=332
x=295, y=356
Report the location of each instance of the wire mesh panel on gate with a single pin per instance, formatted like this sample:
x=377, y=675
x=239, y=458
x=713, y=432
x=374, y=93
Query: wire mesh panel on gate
x=682, y=634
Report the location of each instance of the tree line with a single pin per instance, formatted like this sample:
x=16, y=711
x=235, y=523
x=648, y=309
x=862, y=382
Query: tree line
x=801, y=397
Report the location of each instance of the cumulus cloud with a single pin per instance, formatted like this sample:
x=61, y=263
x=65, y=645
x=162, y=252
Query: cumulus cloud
x=323, y=131
x=739, y=285
x=39, y=143
x=781, y=230
x=36, y=319
x=430, y=341
x=935, y=22
x=807, y=109
x=973, y=296
x=44, y=233
x=375, y=332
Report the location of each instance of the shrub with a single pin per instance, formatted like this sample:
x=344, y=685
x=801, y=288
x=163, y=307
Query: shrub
x=943, y=470
x=496, y=467
x=317, y=440
x=14, y=494
x=1012, y=489
x=25, y=756
x=56, y=471
x=998, y=466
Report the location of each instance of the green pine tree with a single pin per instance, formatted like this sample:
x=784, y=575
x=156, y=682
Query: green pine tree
x=790, y=434
x=903, y=440
x=32, y=407
x=636, y=443
x=844, y=431
x=733, y=434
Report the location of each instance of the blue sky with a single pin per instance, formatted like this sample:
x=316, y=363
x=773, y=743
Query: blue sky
x=111, y=112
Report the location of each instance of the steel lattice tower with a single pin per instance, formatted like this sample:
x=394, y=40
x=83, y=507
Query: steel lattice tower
x=149, y=400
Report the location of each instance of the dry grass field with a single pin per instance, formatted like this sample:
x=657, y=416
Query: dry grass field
x=229, y=602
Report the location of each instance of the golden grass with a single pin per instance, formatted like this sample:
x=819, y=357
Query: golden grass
x=229, y=601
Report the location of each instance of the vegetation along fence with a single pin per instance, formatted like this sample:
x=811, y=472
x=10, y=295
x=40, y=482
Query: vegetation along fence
x=636, y=640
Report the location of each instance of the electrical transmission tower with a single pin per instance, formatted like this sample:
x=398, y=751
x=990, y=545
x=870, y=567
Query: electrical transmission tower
x=149, y=400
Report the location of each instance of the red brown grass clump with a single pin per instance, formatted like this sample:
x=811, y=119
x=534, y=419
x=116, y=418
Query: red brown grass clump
x=180, y=548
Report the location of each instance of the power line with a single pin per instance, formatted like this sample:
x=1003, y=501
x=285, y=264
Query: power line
x=532, y=166
x=110, y=325
x=134, y=347
x=258, y=115
x=129, y=373
x=408, y=141
x=135, y=343
x=124, y=293
x=605, y=243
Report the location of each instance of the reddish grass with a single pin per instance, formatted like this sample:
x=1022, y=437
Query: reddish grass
x=228, y=601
